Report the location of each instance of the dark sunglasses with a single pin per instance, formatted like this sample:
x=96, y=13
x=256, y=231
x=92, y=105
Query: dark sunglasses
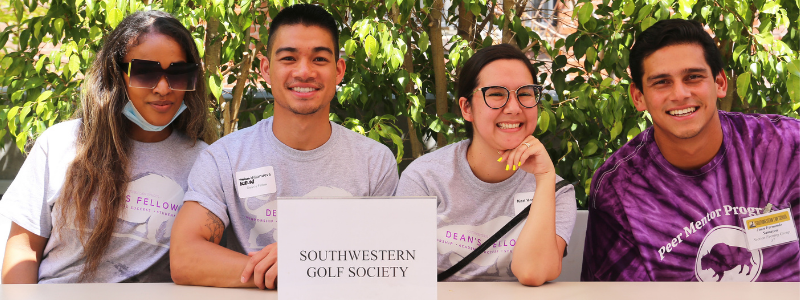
x=146, y=74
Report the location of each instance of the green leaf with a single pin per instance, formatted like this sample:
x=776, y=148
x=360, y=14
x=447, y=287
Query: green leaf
x=58, y=25
x=436, y=125
x=44, y=96
x=616, y=130
x=629, y=8
x=215, y=85
x=590, y=148
x=591, y=55
x=633, y=133
x=647, y=22
x=114, y=17
x=371, y=45
x=21, y=140
x=770, y=8
x=743, y=84
x=606, y=82
x=586, y=12
x=12, y=113
x=40, y=63
x=793, y=67
x=396, y=59
x=350, y=47
x=74, y=64
x=793, y=87
x=644, y=12
x=424, y=41
x=544, y=120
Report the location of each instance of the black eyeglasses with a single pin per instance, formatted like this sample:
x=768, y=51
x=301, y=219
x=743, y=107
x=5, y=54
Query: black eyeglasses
x=496, y=97
x=146, y=74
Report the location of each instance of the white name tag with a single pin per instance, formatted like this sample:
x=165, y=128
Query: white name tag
x=357, y=248
x=770, y=229
x=521, y=201
x=255, y=182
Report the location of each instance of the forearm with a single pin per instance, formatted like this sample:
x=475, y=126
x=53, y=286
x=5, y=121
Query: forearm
x=200, y=262
x=196, y=258
x=536, y=256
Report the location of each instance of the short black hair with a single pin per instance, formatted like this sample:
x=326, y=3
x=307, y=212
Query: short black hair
x=468, y=78
x=671, y=32
x=307, y=15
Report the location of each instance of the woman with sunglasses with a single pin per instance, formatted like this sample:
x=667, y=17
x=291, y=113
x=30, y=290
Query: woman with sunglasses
x=96, y=197
x=483, y=182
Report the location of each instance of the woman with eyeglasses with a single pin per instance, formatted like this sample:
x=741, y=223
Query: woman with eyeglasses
x=485, y=181
x=96, y=197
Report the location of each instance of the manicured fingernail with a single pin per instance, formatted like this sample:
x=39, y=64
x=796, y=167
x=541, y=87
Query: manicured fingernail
x=519, y=164
x=506, y=167
x=500, y=159
x=243, y=281
x=515, y=168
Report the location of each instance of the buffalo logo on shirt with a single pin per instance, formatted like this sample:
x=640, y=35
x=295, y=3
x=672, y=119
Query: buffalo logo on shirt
x=723, y=256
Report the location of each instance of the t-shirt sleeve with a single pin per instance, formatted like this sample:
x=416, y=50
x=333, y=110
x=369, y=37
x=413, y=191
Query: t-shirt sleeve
x=566, y=209
x=206, y=185
x=386, y=180
x=409, y=184
x=25, y=201
x=610, y=252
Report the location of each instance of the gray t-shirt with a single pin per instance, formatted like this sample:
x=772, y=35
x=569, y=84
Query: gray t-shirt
x=471, y=210
x=139, y=247
x=239, y=177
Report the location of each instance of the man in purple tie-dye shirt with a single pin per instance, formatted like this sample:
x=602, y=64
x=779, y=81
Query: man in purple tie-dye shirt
x=668, y=206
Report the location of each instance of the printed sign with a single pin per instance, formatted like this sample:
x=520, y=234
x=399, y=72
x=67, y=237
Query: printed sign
x=770, y=229
x=357, y=248
x=255, y=182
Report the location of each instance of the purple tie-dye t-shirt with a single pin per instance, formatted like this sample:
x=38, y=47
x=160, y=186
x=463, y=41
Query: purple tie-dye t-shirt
x=649, y=220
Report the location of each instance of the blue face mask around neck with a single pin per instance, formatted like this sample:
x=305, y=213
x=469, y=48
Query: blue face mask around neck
x=130, y=111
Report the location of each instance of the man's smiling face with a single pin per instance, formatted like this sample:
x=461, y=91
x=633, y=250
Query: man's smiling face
x=303, y=70
x=679, y=91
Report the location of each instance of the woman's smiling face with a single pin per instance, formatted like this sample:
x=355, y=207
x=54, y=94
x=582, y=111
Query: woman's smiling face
x=504, y=128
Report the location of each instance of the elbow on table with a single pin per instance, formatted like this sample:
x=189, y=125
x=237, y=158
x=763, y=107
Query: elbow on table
x=533, y=279
x=180, y=266
x=179, y=274
x=537, y=276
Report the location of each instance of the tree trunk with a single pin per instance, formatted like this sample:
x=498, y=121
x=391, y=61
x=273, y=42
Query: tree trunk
x=508, y=34
x=408, y=64
x=466, y=24
x=238, y=90
x=439, y=71
x=213, y=45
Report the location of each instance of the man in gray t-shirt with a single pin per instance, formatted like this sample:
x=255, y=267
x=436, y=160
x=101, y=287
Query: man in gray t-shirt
x=235, y=182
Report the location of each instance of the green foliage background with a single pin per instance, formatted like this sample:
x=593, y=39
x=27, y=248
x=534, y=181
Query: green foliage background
x=395, y=61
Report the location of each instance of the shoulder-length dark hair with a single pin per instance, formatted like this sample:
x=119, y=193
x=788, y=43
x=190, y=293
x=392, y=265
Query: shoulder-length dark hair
x=101, y=166
x=468, y=78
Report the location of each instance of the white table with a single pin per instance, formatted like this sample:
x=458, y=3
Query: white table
x=447, y=291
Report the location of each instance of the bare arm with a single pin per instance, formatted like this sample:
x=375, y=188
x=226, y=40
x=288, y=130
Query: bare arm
x=196, y=258
x=538, y=251
x=23, y=255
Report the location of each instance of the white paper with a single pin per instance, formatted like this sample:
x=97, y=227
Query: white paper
x=357, y=248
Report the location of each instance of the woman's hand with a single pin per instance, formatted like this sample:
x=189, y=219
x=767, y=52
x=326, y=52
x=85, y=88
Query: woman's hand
x=530, y=156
